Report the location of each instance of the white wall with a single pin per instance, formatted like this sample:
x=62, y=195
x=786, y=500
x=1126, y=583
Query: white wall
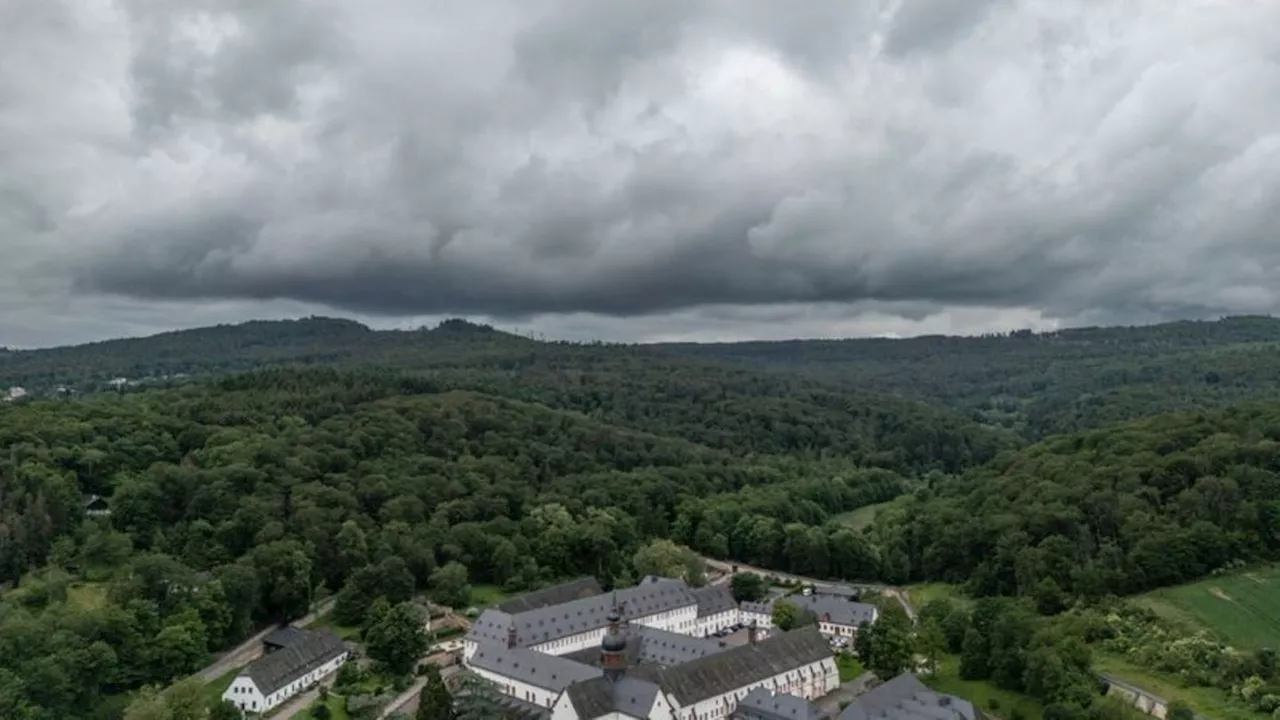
x=246, y=695
x=825, y=678
x=706, y=625
x=763, y=620
x=660, y=710
x=517, y=689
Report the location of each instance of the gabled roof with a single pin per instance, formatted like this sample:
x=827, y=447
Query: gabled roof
x=839, y=610
x=651, y=646
x=548, y=672
x=713, y=599
x=577, y=589
x=632, y=696
x=533, y=627
x=906, y=698
x=744, y=665
x=765, y=704
x=275, y=670
x=285, y=636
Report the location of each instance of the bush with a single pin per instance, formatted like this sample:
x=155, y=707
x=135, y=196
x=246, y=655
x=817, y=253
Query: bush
x=993, y=703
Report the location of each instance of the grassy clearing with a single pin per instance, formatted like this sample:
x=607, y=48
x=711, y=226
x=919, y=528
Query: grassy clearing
x=849, y=667
x=87, y=596
x=487, y=595
x=1243, y=608
x=862, y=517
x=214, y=689
x=326, y=622
x=922, y=594
x=1209, y=702
x=981, y=693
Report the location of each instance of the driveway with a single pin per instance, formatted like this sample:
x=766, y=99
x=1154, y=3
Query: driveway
x=298, y=703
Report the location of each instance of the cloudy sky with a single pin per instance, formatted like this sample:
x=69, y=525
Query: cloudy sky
x=637, y=169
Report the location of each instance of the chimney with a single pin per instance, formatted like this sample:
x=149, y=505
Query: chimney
x=511, y=635
x=753, y=633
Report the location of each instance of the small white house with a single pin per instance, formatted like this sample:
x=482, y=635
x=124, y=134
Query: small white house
x=308, y=658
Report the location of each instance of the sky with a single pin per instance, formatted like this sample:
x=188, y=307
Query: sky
x=637, y=170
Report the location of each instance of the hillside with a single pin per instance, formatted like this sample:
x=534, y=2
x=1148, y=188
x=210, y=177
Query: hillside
x=263, y=488
x=1145, y=504
x=1043, y=383
x=1035, y=384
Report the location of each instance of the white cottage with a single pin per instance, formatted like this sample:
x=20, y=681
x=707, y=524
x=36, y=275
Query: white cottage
x=292, y=665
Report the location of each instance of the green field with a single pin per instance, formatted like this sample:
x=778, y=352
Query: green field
x=924, y=593
x=483, y=596
x=1243, y=608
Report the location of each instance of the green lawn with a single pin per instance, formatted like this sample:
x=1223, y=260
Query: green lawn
x=214, y=689
x=86, y=595
x=981, y=693
x=849, y=667
x=1243, y=608
x=326, y=622
x=927, y=592
x=486, y=595
x=1209, y=702
x=337, y=709
x=862, y=517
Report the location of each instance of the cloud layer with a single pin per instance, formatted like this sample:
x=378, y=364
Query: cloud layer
x=516, y=158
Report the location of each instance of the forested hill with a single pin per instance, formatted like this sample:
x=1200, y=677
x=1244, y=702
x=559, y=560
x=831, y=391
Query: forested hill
x=1141, y=505
x=1035, y=384
x=236, y=501
x=1043, y=383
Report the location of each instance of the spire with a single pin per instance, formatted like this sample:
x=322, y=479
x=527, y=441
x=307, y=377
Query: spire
x=613, y=649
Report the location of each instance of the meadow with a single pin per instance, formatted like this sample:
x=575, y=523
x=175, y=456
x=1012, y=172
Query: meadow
x=1242, y=608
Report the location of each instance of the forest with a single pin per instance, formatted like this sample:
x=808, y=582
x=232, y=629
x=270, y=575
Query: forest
x=253, y=469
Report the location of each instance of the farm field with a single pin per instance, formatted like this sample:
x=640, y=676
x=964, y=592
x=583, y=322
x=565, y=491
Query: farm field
x=1243, y=608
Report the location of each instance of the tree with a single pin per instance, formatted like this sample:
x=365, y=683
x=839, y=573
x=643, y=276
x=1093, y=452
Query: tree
x=748, y=587
x=785, y=615
x=398, y=639
x=475, y=698
x=449, y=585
x=665, y=558
x=1179, y=710
x=864, y=643
x=224, y=710
x=435, y=702
x=892, y=644
x=931, y=642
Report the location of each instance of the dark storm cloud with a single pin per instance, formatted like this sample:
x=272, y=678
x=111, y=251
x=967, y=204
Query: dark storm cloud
x=1063, y=160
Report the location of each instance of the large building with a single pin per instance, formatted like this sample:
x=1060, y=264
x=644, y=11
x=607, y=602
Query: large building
x=649, y=651
x=906, y=698
x=294, y=660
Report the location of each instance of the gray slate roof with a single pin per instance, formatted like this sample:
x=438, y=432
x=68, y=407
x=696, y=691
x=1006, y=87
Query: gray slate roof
x=651, y=646
x=837, y=609
x=632, y=696
x=743, y=665
x=838, y=591
x=906, y=698
x=544, y=624
x=573, y=590
x=285, y=636
x=765, y=704
x=275, y=670
x=758, y=608
x=713, y=599
x=548, y=672
x=702, y=678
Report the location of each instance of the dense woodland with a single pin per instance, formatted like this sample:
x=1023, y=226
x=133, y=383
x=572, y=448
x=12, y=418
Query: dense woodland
x=253, y=469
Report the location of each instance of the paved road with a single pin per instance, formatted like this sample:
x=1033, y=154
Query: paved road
x=249, y=650
x=727, y=569
x=300, y=702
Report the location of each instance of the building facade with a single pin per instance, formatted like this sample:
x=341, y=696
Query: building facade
x=294, y=660
x=645, y=652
